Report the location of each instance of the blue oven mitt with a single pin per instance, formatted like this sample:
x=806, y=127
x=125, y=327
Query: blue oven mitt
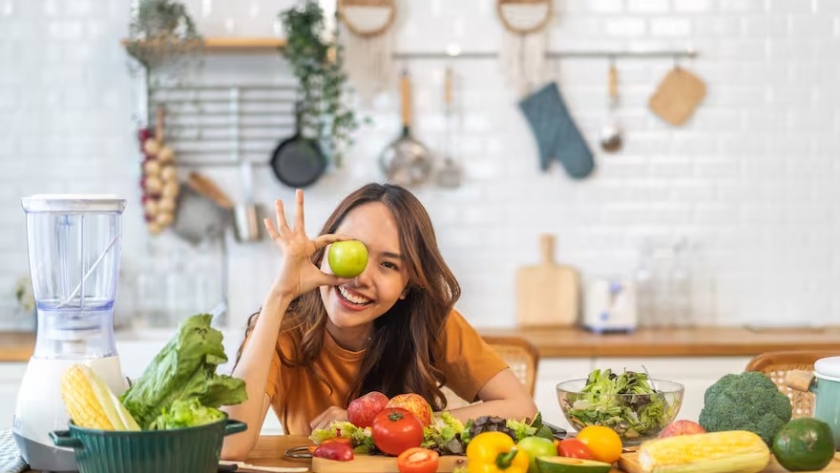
x=556, y=133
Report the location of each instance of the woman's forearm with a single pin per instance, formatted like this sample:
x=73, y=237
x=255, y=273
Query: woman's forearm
x=505, y=408
x=253, y=368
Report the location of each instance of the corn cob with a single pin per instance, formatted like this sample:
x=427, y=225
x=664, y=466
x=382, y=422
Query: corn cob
x=736, y=451
x=90, y=403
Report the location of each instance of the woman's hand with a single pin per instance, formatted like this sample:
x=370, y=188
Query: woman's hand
x=298, y=274
x=332, y=413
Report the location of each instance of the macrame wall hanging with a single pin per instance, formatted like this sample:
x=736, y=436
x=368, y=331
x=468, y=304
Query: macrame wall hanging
x=368, y=46
x=524, y=41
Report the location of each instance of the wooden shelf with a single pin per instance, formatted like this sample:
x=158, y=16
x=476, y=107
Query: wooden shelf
x=221, y=44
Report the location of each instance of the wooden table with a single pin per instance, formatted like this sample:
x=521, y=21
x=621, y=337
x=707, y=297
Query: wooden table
x=270, y=449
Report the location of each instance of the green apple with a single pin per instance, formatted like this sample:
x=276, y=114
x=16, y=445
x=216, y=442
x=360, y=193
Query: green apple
x=347, y=258
x=537, y=447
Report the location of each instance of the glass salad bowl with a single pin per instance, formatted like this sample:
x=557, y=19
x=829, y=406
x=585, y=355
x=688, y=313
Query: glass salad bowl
x=635, y=417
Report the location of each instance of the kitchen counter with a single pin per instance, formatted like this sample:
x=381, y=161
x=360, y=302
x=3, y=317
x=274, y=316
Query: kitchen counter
x=577, y=343
x=16, y=346
x=698, y=341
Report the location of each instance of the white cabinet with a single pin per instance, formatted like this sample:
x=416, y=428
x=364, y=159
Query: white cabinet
x=10, y=376
x=550, y=372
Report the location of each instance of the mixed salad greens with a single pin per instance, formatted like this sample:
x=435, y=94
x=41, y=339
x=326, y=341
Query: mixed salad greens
x=445, y=435
x=625, y=402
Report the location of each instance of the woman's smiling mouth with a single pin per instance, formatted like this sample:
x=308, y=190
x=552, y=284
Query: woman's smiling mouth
x=351, y=299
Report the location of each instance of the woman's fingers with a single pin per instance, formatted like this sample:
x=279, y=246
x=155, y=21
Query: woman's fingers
x=333, y=413
x=280, y=215
x=269, y=227
x=324, y=240
x=299, y=224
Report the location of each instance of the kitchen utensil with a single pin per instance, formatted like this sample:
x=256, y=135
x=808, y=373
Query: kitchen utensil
x=243, y=467
x=824, y=382
x=203, y=210
x=451, y=173
x=193, y=449
x=610, y=305
x=406, y=161
x=523, y=51
x=74, y=248
x=547, y=294
x=556, y=133
x=379, y=464
x=677, y=96
x=246, y=215
x=298, y=161
x=611, y=140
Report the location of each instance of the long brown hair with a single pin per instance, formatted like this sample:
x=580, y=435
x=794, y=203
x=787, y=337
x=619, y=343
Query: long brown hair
x=407, y=343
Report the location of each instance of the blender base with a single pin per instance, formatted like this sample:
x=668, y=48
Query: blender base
x=40, y=409
x=45, y=458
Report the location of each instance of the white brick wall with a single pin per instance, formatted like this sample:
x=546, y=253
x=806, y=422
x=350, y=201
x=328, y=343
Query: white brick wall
x=751, y=179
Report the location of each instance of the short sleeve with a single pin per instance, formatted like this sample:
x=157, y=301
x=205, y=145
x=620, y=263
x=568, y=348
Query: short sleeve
x=469, y=361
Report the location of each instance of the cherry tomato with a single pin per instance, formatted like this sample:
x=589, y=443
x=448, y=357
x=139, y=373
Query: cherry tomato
x=395, y=430
x=418, y=460
x=574, y=448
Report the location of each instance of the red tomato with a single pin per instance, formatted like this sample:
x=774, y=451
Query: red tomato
x=418, y=460
x=395, y=430
x=574, y=448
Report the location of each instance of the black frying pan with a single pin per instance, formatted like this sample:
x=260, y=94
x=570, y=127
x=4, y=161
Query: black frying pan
x=298, y=161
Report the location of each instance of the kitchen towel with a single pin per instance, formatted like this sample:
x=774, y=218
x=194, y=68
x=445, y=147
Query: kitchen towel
x=10, y=459
x=556, y=133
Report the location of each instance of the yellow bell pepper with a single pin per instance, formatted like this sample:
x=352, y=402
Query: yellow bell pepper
x=495, y=452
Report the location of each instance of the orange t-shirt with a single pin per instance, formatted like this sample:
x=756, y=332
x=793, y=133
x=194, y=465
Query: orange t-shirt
x=298, y=395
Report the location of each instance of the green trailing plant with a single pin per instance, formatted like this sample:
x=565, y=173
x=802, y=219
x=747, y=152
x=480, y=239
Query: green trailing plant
x=318, y=65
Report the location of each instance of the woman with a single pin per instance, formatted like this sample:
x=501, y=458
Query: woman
x=393, y=329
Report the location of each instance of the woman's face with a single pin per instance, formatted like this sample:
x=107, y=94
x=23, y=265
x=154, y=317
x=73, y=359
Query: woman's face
x=385, y=277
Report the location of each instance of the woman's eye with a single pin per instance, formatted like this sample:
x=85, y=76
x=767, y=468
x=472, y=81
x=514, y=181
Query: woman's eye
x=389, y=265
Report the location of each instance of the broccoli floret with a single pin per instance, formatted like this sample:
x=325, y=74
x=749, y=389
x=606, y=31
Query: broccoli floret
x=745, y=401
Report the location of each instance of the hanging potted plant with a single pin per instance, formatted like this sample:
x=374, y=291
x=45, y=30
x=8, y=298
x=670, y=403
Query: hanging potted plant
x=316, y=59
x=162, y=32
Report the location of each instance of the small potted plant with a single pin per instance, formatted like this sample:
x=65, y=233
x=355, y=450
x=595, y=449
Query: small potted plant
x=162, y=32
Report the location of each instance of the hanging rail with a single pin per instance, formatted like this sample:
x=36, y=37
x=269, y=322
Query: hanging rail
x=454, y=53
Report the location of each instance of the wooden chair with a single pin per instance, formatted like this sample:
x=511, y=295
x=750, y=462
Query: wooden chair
x=520, y=354
x=776, y=364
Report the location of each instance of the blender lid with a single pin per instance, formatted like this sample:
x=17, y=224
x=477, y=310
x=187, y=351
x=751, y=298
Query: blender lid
x=828, y=368
x=73, y=203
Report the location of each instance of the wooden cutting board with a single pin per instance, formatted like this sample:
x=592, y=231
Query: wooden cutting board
x=548, y=294
x=378, y=464
x=629, y=464
x=677, y=96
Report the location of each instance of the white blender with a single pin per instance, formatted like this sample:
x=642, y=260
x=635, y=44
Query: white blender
x=74, y=254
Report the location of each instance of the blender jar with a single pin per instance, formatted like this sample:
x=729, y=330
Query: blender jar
x=74, y=255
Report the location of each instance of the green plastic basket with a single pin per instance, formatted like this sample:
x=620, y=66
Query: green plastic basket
x=192, y=449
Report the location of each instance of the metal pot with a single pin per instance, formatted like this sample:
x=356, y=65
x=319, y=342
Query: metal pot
x=824, y=382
